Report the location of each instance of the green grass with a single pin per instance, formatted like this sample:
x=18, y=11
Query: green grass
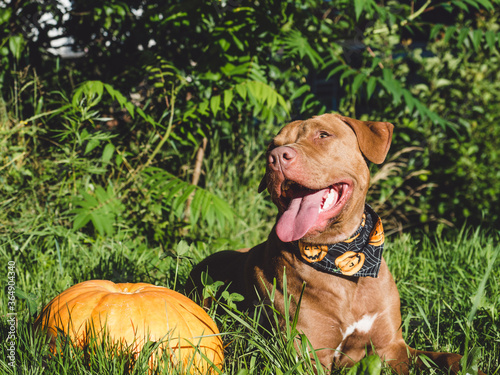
x=448, y=284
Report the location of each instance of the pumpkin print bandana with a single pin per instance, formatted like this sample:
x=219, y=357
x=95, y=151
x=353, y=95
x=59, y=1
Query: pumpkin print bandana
x=360, y=255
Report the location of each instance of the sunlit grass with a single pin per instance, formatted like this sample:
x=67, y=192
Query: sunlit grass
x=448, y=284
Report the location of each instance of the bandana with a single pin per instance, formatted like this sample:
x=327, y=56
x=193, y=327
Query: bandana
x=360, y=255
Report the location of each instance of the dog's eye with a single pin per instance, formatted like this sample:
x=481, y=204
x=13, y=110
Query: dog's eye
x=323, y=134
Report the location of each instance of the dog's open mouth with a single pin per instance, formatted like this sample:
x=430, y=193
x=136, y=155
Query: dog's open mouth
x=307, y=209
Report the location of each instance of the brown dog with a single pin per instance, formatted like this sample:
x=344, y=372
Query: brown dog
x=329, y=239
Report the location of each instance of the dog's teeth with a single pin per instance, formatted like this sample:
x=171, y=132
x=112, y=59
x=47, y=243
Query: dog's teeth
x=330, y=198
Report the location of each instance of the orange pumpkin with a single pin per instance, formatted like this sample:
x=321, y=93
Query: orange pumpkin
x=133, y=314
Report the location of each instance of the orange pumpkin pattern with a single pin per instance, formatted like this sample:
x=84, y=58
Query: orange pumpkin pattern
x=350, y=262
x=358, y=233
x=313, y=253
x=377, y=236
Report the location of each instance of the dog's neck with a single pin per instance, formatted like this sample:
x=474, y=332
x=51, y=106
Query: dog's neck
x=358, y=256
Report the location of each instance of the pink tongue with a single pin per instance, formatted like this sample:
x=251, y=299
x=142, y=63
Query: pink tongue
x=299, y=217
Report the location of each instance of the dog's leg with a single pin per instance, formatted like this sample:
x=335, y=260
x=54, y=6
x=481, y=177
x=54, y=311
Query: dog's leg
x=400, y=357
x=445, y=361
x=397, y=355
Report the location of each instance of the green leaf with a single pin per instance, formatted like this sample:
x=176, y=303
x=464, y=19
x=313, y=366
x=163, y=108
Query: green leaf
x=101, y=194
x=272, y=99
x=255, y=89
x=358, y=80
x=442, y=82
x=224, y=44
x=98, y=221
x=435, y=30
x=296, y=43
x=462, y=35
x=5, y=14
x=491, y=39
x=359, y=5
x=202, y=108
x=222, y=208
x=236, y=70
x=461, y=5
x=370, y=86
x=16, y=45
x=173, y=188
x=107, y=153
x=81, y=219
x=306, y=102
x=182, y=248
x=197, y=206
x=449, y=33
x=283, y=104
x=215, y=104
x=346, y=74
x=409, y=100
x=486, y=4
x=474, y=3
x=336, y=70
x=297, y=93
x=228, y=98
x=476, y=37
x=178, y=203
x=93, y=143
x=118, y=160
x=88, y=94
x=371, y=365
x=174, y=192
x=239, y=43
x=88, y=201
x=30, y=298
x=392, y=85
x=241, y=89
x=101, y=208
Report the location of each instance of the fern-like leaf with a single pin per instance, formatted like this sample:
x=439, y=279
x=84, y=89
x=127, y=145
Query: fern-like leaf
x=174, y=193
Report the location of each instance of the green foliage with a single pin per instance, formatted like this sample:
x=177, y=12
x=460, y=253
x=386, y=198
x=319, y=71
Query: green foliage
x=370, y=365
x=468, y=157
x=171, y=195
x=101, y=207
x=455, y=76
x=98, y=151
x=233, y=67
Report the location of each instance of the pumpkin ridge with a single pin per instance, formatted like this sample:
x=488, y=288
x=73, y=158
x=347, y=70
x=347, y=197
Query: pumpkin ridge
x=69, y=306
x=204, y=322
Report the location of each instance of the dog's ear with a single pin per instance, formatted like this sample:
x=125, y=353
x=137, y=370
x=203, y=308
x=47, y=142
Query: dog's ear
x=374, y=137
x=263, y=184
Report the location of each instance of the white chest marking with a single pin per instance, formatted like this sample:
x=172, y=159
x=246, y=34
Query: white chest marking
x=363, y=326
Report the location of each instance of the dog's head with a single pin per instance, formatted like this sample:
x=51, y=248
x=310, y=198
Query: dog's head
x=318, y=177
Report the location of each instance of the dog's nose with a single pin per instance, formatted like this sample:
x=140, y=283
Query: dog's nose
x=282, y=156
